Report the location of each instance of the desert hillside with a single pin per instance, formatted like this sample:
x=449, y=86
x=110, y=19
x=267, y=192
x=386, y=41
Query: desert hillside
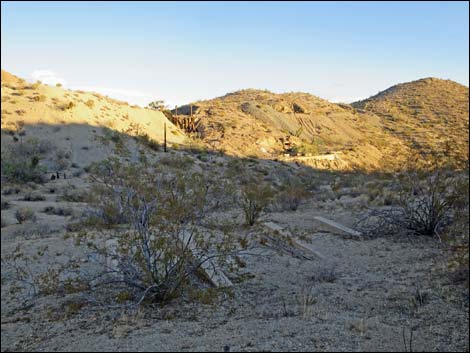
x=76, y=122
x=319, y=133
x=430, y=115
x=306, y=250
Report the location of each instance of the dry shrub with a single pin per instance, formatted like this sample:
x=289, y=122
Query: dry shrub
x=292, y=195
x=255, y=196
x=425, y=206
x=20, y=162
x=40, y=98
x=90, y=103
x=25, y=214
x=458, y=232
x=5, y=204
x=158, y=257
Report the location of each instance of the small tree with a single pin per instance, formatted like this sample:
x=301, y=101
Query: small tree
x=157, y=105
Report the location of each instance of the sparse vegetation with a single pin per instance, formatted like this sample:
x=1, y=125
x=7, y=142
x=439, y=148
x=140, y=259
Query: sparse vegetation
x=157, y=259
x=292, y=196
x=24, y=214
x=425, y=206
x=20, y=162
x=40, y=98
x=32, y=196
x=254, y=198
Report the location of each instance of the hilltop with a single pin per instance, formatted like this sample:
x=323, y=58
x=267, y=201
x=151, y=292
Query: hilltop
x=430, y=115
x=247, y=184
x=419, y=118
x=318, y=133
x=427, y=116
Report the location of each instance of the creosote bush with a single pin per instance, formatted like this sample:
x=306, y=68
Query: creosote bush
x=425, y=202
x=292, y=195
x=157, y=257
x=255, y=196
x=425, y=205
x=90, y=103
x=24, y=214
x=20, y=162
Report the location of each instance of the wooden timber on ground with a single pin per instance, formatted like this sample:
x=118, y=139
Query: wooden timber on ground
x=297, y=242
x=338, y=226
x=213, y=272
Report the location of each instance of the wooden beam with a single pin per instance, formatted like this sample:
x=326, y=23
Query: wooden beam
x=299, y=243
x=213, y=272
x=338, y=226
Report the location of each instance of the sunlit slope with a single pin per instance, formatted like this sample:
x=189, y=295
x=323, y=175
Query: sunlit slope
x=256, y=123
x=76, y=120
x=430, y=115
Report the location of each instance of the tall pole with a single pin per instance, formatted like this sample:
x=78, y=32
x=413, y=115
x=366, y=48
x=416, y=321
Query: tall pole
x=164, y=137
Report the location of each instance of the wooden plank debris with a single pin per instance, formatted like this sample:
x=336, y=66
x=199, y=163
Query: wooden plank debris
x=213, y=272
x=299, y=243
x=338, y=226
x=308, y=247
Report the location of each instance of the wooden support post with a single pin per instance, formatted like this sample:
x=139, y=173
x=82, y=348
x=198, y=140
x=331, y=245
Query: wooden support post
x=176, y=110
x=191, y=107
x=164, y=137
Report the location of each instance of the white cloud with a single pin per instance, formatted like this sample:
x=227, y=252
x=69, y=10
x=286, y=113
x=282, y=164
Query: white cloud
x=48, y=77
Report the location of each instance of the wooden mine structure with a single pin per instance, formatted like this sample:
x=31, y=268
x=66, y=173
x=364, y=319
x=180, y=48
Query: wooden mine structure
x=187, y=123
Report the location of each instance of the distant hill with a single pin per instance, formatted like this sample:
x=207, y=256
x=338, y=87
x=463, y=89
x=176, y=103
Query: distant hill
x=419, y=118
x=431, y=115
x=256, y=123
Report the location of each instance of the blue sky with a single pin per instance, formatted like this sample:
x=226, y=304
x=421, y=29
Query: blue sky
x=184, y=51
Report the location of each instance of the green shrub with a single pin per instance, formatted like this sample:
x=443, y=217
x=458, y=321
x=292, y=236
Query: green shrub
x=254, y=198
x=154, y=260
x=31, y=196
x=24, y=214
x=21, y=170
x=40, y=98
x=20, y=163
x=292, y=196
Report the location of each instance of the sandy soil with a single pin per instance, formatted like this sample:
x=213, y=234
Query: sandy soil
x=359, y=297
